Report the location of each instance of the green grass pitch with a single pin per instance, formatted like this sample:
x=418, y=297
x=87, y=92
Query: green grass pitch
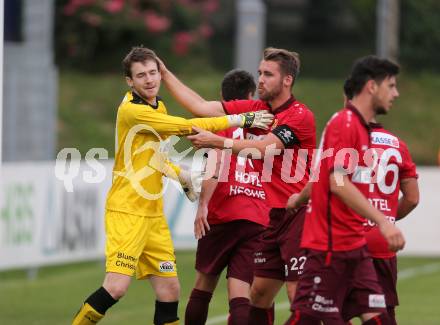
x=55, y=295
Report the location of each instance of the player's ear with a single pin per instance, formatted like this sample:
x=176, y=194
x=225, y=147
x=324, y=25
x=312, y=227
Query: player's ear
x=129, y=81
x=288, y=80
x=371, y=86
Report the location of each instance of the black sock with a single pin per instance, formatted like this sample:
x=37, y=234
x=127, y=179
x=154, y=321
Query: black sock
x=101, y=300
x=165, y=312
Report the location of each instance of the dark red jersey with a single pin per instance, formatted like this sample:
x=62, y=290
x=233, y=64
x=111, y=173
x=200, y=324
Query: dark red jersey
x=330, y=225
x=239, y=193
x=288, y=171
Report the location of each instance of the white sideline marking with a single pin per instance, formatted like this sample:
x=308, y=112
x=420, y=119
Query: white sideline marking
x=402, y=275
x=412, y=272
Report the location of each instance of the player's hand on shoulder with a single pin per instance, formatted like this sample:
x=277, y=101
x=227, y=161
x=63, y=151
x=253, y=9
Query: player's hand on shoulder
x=201, y=225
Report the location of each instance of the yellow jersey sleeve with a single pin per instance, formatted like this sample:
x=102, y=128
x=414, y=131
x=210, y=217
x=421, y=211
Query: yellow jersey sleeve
x=166, y=125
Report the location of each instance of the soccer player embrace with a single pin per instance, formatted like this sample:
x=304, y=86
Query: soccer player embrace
x=281, y=155
x=138, y=240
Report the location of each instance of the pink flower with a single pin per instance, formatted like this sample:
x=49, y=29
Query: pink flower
x=182, y=42
x=156, y=23
x=205, y=30
x=210, y=6
x=114, y=6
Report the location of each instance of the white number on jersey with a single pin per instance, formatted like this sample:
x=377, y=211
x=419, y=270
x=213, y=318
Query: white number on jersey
x=384, y=167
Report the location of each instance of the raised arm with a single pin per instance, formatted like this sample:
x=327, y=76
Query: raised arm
x=188, y=98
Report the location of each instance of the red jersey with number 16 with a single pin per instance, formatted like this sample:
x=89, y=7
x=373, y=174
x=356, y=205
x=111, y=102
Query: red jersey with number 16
x=394, y=163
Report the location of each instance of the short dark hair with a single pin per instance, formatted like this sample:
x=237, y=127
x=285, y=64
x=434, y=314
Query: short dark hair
x=348, y=92
x=138, y=54
x=288, y=61
x=237, y=84
x=368, y=68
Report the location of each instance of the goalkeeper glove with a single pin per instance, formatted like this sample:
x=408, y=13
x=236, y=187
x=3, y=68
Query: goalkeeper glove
x=191, y=184
x=258, y=119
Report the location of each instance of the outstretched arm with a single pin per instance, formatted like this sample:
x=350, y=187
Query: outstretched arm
x=137, y=115
x=188, y=98
x=206, y=139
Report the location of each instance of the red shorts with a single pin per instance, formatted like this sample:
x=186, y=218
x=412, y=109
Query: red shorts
x=324, y=287
x=280, y=256
x=386, y=270
x=230, y=244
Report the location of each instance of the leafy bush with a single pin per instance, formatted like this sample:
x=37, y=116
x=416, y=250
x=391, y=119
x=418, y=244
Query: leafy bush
x=92, y=33
x=420, y=33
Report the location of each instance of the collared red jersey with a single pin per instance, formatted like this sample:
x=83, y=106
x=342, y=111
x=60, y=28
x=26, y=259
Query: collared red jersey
x=139, y=161
x=239, y=194
x=330, y=225
x=394, y=163
x=294, y=125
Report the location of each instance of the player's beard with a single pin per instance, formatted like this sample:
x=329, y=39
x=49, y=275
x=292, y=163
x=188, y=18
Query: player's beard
x=379, y=108
x=268, y=96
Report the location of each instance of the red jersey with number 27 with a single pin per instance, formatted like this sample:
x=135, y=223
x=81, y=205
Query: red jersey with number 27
x=394, y=163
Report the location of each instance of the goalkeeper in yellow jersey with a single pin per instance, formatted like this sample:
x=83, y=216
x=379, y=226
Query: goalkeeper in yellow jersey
x=138, y=239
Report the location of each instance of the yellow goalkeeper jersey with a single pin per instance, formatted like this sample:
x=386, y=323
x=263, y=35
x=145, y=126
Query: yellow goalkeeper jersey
x=139, y=163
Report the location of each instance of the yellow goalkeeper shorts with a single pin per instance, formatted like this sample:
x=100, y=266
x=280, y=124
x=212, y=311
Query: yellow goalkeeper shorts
x=138, y=244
